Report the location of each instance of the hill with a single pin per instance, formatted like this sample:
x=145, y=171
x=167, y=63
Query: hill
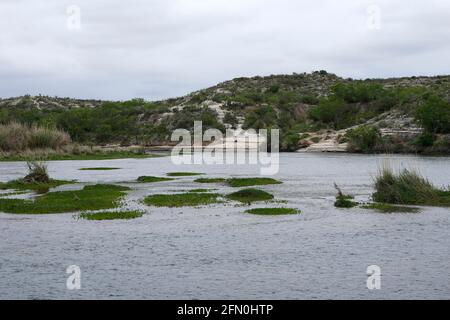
x=318, y=111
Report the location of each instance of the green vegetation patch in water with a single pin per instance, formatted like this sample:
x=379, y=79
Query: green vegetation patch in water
x=183, y=174
x=20, y=184
x=250, y=195
x=99, y=169
x=210, y=180
x=343, y=200
x=408, y=187
x=112, y=215
x=389, y=208
x=272, y=211
x=190, y=199
x=201, y=190
x=93, y=197
x=247, y=182
x=150, y=179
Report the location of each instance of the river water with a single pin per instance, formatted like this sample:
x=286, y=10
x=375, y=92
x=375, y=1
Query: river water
x=219, y=252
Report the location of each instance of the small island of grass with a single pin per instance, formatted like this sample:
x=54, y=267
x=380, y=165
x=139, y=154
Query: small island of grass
x=343, y=200
x=272, y=211
x=210, y=180
x=112, y=215
x=151, y=179
x=183, y=174
x=389, y=208
x=200, y=190
x=92, y=197
x=408, y=187
x=190, y=199
x=250, y=195
x=247, y=182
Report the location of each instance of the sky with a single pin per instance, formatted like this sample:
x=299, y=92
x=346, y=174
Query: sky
x=117, y=50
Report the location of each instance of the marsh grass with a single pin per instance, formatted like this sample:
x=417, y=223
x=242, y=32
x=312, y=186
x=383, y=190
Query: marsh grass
x=190, y=199
x=16, y=136
x=250, y=195
x=247, y=182
x=151, y=179
x=99, y=169
x=111, y=215
x=92, y=197
x=183, y=174
x=273, y=211
x=407, y=187
x=389, y=208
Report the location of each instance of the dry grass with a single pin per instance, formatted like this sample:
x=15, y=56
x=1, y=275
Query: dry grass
x=16, y=137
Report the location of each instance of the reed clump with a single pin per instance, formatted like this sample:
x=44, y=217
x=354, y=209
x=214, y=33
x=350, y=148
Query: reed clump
x=408, y=187
x=16, y=137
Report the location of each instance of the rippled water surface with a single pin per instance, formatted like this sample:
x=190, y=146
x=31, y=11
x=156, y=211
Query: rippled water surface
x=219, y=252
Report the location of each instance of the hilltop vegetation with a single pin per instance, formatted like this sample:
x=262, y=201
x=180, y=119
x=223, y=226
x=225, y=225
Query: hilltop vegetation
x=373, y=115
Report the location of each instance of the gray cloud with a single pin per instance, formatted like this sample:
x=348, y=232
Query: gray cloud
x=156, y=49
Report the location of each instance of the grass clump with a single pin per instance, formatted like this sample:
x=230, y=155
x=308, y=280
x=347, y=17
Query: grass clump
x=93, y=197
x=272, y=211
x=408, y=187
x=150, y=179
x=343, y=200
x=99, y=169
x=183, y=174
x=389, y=208
x=250, y=195
x=16, y=137
x=190, y=199
x=37, y=179
x=247, y=182
x=210, y=180
x=112, y=215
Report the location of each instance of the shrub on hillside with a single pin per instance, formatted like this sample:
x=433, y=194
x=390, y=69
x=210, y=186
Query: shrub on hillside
x=363, y=138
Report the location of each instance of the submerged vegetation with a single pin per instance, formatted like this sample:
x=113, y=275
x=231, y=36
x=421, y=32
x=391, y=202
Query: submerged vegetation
x=272, y=211
x=247, y=182
x=111, y=215
x=250, y=195
x=92, y=197
x=408, y=187
x=389, y=208
x=190, y=199
x=151, y=179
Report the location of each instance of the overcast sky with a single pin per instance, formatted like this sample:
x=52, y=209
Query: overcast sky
x=159, y=49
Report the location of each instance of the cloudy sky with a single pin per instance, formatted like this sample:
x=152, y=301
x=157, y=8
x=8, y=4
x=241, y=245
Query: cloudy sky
x=112, y=49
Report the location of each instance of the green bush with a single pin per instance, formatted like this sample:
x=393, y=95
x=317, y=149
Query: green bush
x=363, y=139
x=434, y=115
